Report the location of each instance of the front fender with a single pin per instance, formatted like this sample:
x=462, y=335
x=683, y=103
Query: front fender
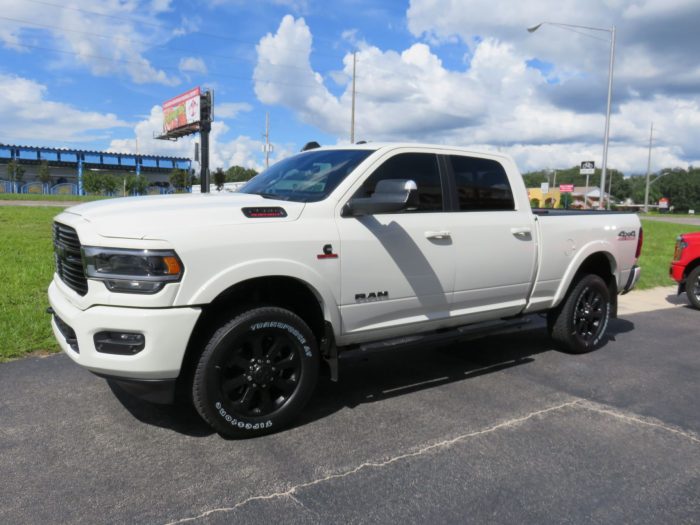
x=267, y=268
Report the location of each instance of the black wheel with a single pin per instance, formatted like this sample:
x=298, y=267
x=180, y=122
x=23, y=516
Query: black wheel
x=579, y=324
x=692, y=287
x=256, y=373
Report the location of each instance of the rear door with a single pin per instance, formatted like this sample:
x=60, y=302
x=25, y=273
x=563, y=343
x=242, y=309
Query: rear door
x=494, y=242
x=398, y=269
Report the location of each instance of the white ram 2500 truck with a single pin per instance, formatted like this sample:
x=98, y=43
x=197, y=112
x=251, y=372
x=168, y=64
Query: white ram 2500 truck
x=236, y=299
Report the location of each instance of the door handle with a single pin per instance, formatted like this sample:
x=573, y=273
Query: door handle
x=444, y=234
x=522, y=233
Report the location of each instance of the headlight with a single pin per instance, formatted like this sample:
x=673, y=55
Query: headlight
x=132, y=271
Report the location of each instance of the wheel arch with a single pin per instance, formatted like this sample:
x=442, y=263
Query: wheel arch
x=690, y=267
x=282, y=291
x=599, y=262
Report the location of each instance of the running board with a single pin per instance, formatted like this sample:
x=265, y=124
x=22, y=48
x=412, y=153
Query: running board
x=466, y=332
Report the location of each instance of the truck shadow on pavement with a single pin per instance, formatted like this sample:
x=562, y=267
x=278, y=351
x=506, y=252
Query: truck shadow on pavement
x=383, y=375
x=393, y=373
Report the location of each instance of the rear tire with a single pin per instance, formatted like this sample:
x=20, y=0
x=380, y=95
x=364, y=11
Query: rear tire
x=580, y=323
x=692, y=287
x=256, y=373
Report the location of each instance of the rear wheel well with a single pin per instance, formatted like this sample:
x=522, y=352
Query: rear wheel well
x=690, y=267
x=284, y=292
x=603, y=265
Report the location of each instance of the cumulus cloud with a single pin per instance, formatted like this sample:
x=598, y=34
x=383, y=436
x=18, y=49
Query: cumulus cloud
x=240, y=151
x=192, y=65
x=107, y=45
x=231, y=109
x=30, y=115
x=496, y=100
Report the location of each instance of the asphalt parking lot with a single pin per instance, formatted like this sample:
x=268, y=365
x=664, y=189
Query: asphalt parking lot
x=499, y=430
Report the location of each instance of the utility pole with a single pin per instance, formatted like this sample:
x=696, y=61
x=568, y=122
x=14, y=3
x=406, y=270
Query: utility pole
x=268, y=146
x=646, y=192
x=607, y=118
x=207, y=113
x=352, y=113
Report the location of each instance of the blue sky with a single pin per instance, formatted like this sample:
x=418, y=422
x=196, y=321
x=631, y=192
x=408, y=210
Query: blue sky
x=92, y=74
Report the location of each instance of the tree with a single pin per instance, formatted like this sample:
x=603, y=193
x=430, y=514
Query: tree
x=219, y=178
x=136, y=184
x=15, y=172
x=93, y=182
x=680, y=187
x=44, y=173
x=110, y=183
x=178, y=179
x=239, y=174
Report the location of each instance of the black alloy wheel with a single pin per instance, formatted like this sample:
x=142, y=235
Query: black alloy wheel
x=579, y=324
x=256, y=373
x=692, y=287
x=260, y=373
x=589, y=314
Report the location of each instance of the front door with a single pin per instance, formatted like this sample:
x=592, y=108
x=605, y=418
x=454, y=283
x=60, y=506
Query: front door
x=397, y=268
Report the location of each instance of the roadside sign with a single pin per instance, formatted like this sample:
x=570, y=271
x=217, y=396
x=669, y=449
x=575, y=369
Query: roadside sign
x=663, y=203
x=566, y=188
x=587, y=167
x=544, y=187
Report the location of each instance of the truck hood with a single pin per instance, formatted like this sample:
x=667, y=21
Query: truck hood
x=152, y=217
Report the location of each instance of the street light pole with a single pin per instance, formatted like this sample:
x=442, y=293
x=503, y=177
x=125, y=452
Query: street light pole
x=606, y=138
x=607, y=117
x=646, y=192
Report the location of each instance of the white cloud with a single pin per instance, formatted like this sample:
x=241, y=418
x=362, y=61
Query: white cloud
x=495, y=100
x=31, y=116
x=107, y=45
x=231, y=109
x=192, y=65
x=223, y=153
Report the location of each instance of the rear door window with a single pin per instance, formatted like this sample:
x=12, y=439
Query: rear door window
x=482, y=184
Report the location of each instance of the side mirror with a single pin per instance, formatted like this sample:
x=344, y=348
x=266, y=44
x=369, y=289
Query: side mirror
x=390, y=195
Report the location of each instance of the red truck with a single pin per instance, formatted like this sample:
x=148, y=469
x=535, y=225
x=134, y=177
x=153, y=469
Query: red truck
x=685, y=267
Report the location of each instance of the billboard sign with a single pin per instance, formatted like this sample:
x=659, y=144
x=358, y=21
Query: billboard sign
x=587, y=167
x=566, y=188
x=182, y=111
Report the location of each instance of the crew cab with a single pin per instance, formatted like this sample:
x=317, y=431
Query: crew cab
x=685, y=267
x=235, y=300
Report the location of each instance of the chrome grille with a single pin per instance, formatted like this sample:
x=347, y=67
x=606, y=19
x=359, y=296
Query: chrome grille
x=69, y=263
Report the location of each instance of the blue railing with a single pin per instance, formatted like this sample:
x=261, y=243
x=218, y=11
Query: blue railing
x=64, y=189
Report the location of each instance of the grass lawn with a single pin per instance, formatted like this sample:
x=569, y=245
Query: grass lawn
x=659, y=243
x=26, y=269
x=42, y=197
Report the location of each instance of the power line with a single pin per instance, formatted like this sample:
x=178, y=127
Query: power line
x=140, y=41
x=156, y=25
x=166, y=68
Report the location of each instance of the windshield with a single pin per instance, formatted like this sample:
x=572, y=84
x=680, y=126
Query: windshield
x=307, y=177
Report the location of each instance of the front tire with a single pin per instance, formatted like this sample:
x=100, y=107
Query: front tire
x=692, y=287
x=256, y=373
x=580, y=323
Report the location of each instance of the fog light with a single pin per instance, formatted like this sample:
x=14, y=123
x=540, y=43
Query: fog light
x=120, y=343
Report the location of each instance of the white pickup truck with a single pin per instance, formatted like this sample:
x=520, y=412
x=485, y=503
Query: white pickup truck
x=235, y=299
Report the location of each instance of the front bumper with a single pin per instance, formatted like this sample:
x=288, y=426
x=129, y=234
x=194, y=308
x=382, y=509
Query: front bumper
x=635, y=274
x=166, y=331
